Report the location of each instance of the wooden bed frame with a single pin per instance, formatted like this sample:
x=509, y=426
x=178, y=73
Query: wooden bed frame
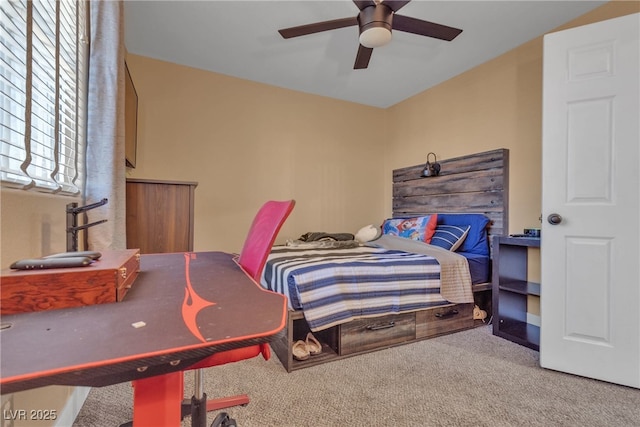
x=476, y=183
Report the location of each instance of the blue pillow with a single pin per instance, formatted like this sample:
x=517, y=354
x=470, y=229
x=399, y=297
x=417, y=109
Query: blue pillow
x=450, y=237
x=476, y=241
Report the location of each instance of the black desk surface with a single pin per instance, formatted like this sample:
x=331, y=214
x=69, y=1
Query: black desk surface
x=192, y=305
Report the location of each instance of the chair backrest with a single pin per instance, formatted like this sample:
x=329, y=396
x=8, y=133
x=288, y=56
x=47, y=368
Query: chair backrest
x=262, y=234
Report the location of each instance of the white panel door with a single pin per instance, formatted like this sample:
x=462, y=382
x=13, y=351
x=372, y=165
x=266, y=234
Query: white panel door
x=590, y=249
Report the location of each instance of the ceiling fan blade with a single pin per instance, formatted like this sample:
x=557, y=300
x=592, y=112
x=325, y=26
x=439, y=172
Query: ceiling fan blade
x=395, y=5
x=362, y=57
x=361, y=4
x=318, y=27
x=424, y=28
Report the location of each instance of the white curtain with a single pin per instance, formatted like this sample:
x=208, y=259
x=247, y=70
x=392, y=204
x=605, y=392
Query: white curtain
x=105, y=165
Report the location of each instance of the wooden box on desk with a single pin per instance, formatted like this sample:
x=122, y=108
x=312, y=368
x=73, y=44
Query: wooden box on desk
x=105, y=280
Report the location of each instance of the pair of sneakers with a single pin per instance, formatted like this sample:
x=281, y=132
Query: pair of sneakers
x=302, y=350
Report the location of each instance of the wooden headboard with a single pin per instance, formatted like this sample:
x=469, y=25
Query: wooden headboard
x=477, y=183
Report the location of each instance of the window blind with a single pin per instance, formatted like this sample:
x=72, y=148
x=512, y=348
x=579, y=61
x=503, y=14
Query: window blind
x=43, y=64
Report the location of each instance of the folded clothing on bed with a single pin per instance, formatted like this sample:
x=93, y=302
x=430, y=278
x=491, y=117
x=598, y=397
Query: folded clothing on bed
x=323, y=244
x=315, y=236
x=322, y=240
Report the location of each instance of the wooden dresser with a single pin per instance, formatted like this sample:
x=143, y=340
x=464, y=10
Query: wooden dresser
x=160, y=215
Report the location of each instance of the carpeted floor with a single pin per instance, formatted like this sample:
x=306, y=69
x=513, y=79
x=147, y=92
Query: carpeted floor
x=470, y=378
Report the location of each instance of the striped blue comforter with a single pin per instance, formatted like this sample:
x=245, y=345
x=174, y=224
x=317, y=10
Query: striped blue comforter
x=335, y=286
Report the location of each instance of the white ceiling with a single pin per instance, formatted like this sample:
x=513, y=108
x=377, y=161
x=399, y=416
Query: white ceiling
x=240, y=38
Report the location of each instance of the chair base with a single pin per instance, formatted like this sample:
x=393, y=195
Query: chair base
x=223, y=420
x=227, y=402
x=198, y=409
x=158, y=401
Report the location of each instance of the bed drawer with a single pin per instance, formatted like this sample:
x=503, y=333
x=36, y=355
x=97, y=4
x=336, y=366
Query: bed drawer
x=440, y=320
x=377, y=332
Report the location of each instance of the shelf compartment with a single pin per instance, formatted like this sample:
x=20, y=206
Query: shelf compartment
x=521, y=287
x=511, y=290
x=519, y=332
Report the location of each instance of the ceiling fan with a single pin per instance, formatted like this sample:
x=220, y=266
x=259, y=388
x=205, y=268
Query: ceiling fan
x=375, y=21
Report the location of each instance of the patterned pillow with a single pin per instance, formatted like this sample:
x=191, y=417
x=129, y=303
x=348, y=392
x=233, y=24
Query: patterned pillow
x=418, y=228
x=450, y=237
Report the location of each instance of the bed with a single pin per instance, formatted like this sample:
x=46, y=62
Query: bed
x=393, y=290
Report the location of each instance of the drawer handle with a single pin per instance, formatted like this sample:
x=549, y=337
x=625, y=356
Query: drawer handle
x=447, y=314
x=381, y=326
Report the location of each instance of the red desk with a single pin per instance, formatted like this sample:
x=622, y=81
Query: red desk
x=193, y=305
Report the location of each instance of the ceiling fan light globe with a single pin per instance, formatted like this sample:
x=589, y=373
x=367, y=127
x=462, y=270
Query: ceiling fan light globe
x=375, y=37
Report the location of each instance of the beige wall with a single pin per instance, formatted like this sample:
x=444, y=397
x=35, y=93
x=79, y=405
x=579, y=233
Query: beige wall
x=31, y=224
x=495, y=105
x=246, y=142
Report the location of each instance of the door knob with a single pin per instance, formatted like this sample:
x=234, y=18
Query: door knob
x=554, y=219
